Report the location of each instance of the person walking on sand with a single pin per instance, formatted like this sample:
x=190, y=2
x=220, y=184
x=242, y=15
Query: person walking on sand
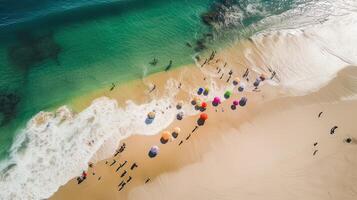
x=123, y=174
x=114, y=161
x=332, y=131
x=133, y=166
x=196, y=127
x=129, y=179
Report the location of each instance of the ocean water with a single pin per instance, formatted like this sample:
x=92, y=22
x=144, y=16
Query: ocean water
x=54, y=51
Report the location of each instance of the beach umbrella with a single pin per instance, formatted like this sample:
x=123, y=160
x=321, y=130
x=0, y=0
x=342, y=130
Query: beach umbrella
x=236, y=81
x=154, y=150
x=203, y=105
x=243, y=101
x=179, y=115
x=165, y=135
x=227, y=94
x=151, y=115
x=194, y=100
x=206, y=91
x=216, y=101
x=256, y=83
x=235, y=102
x=176, y=131
x=241, y=87
x=179, y=105
x=200, y=91
x=203, y=116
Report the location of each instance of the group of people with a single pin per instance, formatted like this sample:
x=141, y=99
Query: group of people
x=125, y=173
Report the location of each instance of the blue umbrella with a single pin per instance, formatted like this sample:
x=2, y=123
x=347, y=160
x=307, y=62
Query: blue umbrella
x=243, y=101
x=200, y=91
x=153, y=151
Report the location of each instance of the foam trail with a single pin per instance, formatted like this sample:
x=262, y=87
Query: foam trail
x=56, y=147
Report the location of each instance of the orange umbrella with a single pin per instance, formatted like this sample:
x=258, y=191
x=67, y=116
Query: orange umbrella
x=165, y=135
x=204, y=116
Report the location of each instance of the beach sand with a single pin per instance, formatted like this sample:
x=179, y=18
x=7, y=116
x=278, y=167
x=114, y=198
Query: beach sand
x=261, y=151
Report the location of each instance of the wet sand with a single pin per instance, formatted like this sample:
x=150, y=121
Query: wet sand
x=262, y=150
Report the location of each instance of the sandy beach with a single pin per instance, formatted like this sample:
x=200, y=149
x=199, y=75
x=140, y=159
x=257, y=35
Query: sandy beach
x=275, y=147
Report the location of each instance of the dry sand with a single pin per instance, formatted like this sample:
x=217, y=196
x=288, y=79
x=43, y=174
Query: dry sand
x=261, y=151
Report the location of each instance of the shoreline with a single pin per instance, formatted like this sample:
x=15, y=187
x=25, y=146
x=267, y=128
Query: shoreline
x=188, y=87
x=175, y=160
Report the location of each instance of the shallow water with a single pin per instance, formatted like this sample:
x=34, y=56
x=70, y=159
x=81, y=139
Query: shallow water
x=88, y=48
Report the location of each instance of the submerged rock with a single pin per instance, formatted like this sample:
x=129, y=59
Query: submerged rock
x=32, y=50
x=8, y=104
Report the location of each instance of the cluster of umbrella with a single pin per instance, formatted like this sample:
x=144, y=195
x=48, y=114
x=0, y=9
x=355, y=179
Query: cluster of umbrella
x=199, y=104
x=165, y=137
x=204, y=91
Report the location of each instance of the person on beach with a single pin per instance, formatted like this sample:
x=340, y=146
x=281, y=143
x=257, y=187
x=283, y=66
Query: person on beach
x=133, y=166
x=246, y=73
x=113, y=86
x=273, y=75
x=123, y=174
x=180, y=142
x=332, y=131
x=154, y=62
x=221, y=76
x=348, y=140
x=153, y=88
x=196, y=127
x=129, y=179
x=315, y=152
x=147, y=180
x=319, y=115
x=204, y=62
x=121, y=165
x=121, y=149
x=229, y=78
x=114, y=161
x=188, y=137
x=121, y=183
x=168, y=67
x=122, y=186
x=230, y=72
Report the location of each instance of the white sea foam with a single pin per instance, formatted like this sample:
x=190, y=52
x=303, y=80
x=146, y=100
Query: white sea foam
x=55, y=147
x=308, y=50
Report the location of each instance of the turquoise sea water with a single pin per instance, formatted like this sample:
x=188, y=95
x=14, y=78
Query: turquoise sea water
x=113, y=43
x=53, y=51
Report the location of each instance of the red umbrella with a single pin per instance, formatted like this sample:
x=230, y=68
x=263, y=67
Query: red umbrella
x=204, y=116
x=204, y=105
